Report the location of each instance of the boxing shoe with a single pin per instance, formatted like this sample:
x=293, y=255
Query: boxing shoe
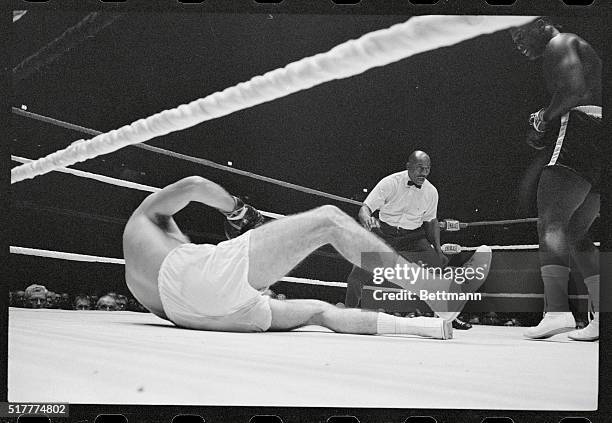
x=552, y=324
x=589, y=333
x=461, y=325
x=449, y=309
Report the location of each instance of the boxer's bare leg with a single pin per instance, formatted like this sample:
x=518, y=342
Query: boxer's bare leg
x=561, y=193
x=291, y=314
x=586, y=257
x=279, y=246
x=582, y=250
x=563, y=201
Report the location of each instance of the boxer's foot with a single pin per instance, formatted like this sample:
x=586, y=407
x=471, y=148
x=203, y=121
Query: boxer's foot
x=461, y=325
x=552, y=324
x=589, y=333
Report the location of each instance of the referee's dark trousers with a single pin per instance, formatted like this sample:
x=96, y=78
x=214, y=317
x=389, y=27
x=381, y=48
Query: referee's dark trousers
x=412, y=244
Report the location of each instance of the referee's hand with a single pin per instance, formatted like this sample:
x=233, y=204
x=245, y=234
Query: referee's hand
x=371, y=223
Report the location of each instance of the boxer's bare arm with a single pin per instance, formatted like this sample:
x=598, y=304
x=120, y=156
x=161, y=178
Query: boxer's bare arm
x=177, y=196
x=564, y=73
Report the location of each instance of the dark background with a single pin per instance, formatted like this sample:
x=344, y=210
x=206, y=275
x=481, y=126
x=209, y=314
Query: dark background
x=523, y=97
x=466, y=105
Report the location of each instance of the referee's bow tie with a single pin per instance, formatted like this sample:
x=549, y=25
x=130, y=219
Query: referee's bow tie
x=412, y=184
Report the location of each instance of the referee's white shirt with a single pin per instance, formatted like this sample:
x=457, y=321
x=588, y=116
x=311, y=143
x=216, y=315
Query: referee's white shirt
x=403, y=205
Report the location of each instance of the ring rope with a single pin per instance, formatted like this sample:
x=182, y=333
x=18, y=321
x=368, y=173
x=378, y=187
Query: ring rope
x=53, y=121
x=119, y=182
x=446, y=248
x=443, y=224
x=62, y=255
x=351, y=58
x=119, y=221
x=49, y=253
x=188, y=158
x=454, y=248
x=89, y=258
x=503, y=222
x=95, y=176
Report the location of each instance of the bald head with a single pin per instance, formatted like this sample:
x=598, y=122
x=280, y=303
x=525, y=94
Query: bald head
x=418, y=166
x=418, y=156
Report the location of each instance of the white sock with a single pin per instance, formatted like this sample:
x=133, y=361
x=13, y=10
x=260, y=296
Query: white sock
x=387, y=324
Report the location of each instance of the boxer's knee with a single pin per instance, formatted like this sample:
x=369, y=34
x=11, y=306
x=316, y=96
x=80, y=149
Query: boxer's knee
x=553, y=239
x=330, y=212
x=331, y=217
x=316, y=223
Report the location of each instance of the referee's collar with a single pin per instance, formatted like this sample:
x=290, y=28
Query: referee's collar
x=410, y=183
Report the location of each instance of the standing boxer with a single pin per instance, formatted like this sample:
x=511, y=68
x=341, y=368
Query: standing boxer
x=568, y=189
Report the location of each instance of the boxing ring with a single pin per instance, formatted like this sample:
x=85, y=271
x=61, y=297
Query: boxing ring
x=307, y=367
x=487, y=367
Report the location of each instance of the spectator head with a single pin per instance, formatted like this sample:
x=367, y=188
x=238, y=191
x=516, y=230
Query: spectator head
x=281, y=297
x=36, y=296
x=64, y=302
x=82, y=302
x=106, y=303
x=51, y=300
x=122, y=302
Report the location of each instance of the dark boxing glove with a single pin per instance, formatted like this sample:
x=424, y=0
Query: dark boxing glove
x=541, y=134
x=242, y=219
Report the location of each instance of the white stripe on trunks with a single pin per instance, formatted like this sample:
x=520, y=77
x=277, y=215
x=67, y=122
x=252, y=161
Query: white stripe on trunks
x=560, y=138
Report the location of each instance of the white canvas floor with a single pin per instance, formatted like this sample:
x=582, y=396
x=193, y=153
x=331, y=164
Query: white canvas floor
x=135, y=358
